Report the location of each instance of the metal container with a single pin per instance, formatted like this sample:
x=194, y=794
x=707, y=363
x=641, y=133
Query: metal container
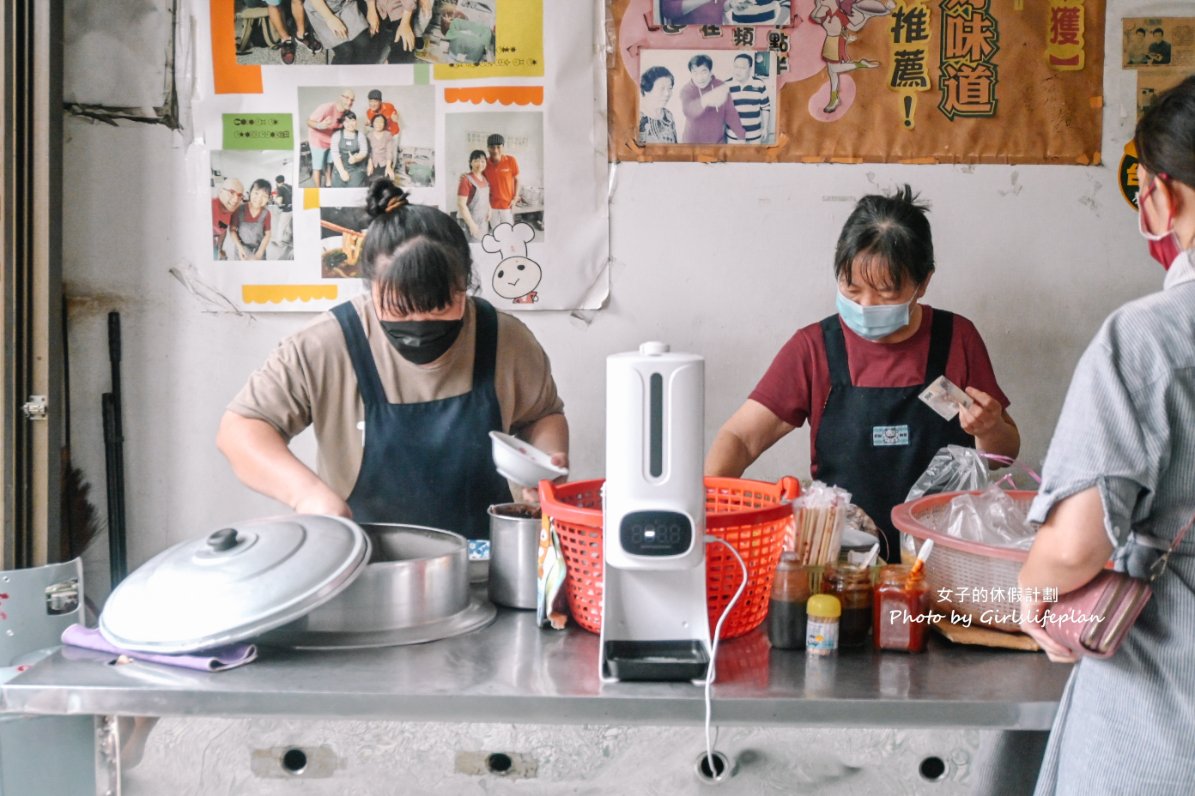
x=514, y=554
x=414, y=589
x=234, y=583
x=305, y=581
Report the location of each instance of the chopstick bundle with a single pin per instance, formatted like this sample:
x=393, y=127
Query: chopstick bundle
x=818, y=516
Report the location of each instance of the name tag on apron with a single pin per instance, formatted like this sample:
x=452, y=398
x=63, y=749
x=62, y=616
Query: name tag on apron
x=889, y=436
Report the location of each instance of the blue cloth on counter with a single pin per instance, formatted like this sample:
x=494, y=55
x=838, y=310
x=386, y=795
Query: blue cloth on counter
x=213, y=659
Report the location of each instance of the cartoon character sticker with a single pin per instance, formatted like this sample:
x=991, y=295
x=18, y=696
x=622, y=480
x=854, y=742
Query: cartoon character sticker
x=842, y=20
x=516, y=276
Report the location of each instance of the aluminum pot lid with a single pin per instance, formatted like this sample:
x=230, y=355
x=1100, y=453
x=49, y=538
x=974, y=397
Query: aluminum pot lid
x=234, y=583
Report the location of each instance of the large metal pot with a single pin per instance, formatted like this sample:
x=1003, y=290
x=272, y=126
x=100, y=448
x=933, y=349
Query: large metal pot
x=299, y=580
x=414, y=589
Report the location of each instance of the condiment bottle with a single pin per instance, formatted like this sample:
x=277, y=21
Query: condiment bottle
x=786, y=608
x=901, y=609
x=821, y=634
x=852, y=586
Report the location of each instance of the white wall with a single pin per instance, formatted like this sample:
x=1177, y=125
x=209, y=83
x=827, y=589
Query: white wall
x=723, y=260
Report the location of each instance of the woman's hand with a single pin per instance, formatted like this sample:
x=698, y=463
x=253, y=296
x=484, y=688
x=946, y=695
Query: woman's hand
x=1031, y=623
x=981, y=417
x=531, y=493
x=372, y=19
x=344, y=173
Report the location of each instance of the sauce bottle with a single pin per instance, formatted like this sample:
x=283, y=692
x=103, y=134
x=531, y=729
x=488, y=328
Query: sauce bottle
x=786, y=608
x=901, y=609
x=821, y=634
x=852, y=586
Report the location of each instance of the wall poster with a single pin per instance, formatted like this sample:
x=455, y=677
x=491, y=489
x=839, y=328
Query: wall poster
x=913, y=81
x=1161, y=50
x=310, y=100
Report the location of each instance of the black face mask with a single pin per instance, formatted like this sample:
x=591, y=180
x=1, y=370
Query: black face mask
x=422, y=342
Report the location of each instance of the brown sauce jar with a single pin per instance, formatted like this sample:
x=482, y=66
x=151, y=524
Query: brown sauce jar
x=852, y=586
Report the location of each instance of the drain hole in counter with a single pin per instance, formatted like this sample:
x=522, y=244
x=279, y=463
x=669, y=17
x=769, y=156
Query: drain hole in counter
x=933, y=769
x=294, y=761
x=498, y=763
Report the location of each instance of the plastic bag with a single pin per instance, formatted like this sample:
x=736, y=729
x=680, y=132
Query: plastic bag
x=990, y=517
x=958, y=469
x=819, y=515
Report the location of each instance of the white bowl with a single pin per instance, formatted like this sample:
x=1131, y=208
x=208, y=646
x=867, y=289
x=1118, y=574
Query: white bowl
x=522, y=463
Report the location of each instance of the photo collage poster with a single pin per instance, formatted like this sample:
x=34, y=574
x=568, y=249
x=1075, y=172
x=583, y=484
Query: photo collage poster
x=311, y=100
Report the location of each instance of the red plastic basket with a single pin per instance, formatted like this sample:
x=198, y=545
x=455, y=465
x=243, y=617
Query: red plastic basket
x=751, y=515
x=988, y=573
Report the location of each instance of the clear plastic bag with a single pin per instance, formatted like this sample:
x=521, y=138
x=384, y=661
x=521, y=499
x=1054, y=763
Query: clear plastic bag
x=990, y=517
x=958, y=469
x=819, y=515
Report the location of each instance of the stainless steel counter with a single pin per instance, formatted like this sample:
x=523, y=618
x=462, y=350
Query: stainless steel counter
x=513, y=671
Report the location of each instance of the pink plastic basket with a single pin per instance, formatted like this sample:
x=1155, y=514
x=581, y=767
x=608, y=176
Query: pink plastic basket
x=964, y=577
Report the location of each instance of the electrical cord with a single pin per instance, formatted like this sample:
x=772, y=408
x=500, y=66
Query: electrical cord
x=711, y=673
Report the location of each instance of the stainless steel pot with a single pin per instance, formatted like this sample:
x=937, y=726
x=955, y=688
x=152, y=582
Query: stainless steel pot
x=514, y=554
x=414, y=589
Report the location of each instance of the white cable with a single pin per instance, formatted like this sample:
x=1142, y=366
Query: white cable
x=710, y=672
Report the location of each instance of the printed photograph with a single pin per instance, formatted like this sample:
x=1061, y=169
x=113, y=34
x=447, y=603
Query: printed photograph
x=352, y=134
x=1152, y=83
x=252, y=213
x=718, y=12
x=707, y=97
x=461, y=32
x=1158, y=43
x=314, y=32
x=342, y=236
x=495, y=163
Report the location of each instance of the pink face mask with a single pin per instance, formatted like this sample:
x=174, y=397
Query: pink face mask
x=1163, y=246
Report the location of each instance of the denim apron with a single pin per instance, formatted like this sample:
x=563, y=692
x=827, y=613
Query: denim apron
x=428, y=463
x=875, y=442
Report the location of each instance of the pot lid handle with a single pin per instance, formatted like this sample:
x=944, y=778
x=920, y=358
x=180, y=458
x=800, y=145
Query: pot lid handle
x=223, y=539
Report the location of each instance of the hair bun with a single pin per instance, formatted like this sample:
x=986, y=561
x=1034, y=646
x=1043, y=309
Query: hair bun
x=385, y=197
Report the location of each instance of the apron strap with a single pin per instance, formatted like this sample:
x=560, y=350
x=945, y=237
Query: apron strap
x=940, y=334
x=485, y=344
x=835, y=340
x=369, y=384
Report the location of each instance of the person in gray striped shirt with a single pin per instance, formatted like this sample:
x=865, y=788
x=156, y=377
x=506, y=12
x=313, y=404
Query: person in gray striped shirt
x=1119, y=482
x=752, y=100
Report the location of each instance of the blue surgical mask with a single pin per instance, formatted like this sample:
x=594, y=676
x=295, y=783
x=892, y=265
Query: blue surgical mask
x=873, y=322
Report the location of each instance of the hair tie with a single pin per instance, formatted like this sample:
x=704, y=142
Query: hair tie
x=396, y=203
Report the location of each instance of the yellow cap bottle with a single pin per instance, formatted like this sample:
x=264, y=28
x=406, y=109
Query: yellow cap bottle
x=821, y=636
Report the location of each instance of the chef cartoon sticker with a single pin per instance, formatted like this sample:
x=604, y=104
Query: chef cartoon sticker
x=516, y=276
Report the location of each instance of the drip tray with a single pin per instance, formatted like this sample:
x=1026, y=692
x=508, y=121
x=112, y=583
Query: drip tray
x=686, y=659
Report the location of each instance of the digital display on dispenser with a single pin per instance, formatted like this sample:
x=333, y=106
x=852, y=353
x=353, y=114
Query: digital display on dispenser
x=656, y=533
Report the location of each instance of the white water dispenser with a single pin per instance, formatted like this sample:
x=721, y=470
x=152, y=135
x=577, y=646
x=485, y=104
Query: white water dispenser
x=655, y=623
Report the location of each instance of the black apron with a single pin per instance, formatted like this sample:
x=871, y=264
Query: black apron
x=875, y=442
x=348, y=148
x=428, y=463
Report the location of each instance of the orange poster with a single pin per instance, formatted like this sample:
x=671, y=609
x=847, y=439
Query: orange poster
x=921, y=81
